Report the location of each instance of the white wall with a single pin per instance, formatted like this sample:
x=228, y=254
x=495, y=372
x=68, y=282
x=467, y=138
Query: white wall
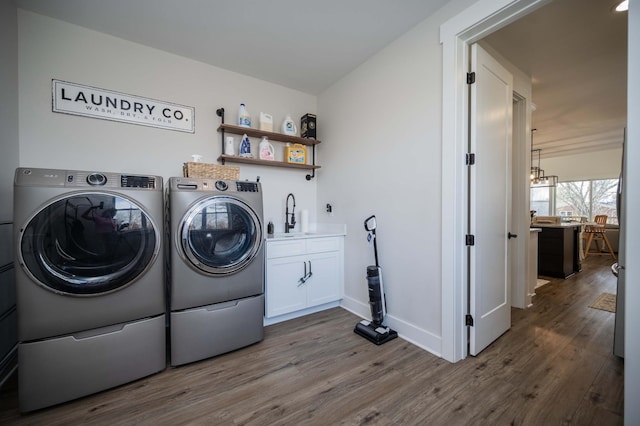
x=589, y=165
x=381, y=132
x=52, y=49
x=9, y=108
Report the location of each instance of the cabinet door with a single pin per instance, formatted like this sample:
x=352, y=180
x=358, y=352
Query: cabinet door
x=284, y=291
x=326, y=282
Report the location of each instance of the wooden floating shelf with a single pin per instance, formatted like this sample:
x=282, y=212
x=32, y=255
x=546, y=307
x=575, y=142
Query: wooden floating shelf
x=237, y=159
x=255, y=133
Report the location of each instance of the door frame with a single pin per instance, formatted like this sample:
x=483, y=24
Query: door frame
x=456, y=35
x=520, y=197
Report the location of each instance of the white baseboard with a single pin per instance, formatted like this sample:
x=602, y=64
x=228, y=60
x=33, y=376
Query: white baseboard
x=407, y=331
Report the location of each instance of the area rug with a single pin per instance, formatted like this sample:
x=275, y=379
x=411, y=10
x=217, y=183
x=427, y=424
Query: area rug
x=605, y=302
x=541, y=282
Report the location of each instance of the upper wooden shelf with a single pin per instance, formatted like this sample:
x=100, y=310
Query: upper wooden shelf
x=255, y=133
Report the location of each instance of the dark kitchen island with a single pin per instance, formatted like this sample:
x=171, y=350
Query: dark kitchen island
x=559, y=249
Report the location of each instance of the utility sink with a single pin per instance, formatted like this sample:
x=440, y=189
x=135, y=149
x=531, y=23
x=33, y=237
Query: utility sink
x=321, y=231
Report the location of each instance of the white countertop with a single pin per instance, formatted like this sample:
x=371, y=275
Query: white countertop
x=316, y=230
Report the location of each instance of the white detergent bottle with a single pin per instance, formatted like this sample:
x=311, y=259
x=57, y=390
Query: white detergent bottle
x=244, y=118
x=266, y=149
x=289, y=127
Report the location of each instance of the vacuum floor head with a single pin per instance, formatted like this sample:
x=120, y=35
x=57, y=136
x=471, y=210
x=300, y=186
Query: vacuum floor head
x=374, y=333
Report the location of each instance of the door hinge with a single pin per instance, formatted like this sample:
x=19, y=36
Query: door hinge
x=471, y=77
x=470, y=159
x=470, y=240
x=468, y=320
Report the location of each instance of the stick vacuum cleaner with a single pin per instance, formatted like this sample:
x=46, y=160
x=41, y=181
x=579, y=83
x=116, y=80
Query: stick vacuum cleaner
x=374, y=330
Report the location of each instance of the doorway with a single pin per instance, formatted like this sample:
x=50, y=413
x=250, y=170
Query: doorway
x=471, y=25
x=456, y=36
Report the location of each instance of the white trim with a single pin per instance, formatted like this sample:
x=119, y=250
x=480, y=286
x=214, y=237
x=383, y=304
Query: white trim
x=356, y=307
x=410, y=332
x=473, y=23
x=521, y=219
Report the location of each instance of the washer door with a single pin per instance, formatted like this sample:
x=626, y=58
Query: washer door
x=88, y=244
x=220, y=235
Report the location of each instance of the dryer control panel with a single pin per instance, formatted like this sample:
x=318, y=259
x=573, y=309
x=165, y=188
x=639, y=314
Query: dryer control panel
x=130, y=181
x=247, y=187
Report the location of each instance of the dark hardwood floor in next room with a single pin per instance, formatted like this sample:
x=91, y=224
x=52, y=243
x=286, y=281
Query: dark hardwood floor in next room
x=555, y=366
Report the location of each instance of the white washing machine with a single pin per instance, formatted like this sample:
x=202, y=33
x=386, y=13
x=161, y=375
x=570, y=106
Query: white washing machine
x=90, y=285
x=216, y=271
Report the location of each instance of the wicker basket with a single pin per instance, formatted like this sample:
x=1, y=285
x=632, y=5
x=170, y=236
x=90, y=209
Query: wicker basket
x=211, y=171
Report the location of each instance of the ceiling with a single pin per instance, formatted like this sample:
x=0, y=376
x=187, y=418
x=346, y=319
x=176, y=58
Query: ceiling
x=576, y=53
x=575, y=50
x=301, y=44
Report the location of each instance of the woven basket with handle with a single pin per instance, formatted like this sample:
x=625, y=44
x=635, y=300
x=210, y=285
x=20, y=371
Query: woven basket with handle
x=210, y=171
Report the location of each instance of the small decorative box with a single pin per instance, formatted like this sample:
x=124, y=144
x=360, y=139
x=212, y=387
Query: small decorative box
x=296, y=153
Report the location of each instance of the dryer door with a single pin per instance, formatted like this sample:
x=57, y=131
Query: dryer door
x=88, y=244
x=220, y=235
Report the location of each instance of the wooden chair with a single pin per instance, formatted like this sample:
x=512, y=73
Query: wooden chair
x=597, y=232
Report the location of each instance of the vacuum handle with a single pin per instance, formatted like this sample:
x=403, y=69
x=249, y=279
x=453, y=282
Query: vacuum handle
x=370, y=224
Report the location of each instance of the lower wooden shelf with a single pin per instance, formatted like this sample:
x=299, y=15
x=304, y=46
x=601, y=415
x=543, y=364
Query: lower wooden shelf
x=237, y=159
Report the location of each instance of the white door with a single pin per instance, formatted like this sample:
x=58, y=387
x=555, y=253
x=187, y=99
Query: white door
x=489, y=200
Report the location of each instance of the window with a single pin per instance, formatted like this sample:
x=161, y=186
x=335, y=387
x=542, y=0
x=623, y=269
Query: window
x=542, y=200
x=587, y=198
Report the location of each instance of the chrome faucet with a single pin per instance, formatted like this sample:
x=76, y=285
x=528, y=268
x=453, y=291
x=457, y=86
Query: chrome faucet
x=290, y=225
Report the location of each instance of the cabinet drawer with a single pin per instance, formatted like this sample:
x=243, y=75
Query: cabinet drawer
x=319, y=245
x=285, y=248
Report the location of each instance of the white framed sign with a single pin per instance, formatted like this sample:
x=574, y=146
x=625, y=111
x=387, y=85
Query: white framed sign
x=77, y=99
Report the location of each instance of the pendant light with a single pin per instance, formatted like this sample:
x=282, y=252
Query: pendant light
x=538, y=178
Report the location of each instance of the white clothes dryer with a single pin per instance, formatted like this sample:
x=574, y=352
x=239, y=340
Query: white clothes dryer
x=90, y=285
x=216, y=277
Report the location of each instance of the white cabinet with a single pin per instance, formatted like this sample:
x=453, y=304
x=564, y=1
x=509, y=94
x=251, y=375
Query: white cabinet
x=303, y=275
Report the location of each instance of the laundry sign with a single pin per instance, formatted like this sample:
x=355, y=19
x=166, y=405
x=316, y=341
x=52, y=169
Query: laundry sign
x=77, y=99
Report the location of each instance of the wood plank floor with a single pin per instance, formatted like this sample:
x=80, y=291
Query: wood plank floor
x=554, y=367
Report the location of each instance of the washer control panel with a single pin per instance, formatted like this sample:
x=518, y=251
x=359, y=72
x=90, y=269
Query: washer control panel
x=80, y=179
